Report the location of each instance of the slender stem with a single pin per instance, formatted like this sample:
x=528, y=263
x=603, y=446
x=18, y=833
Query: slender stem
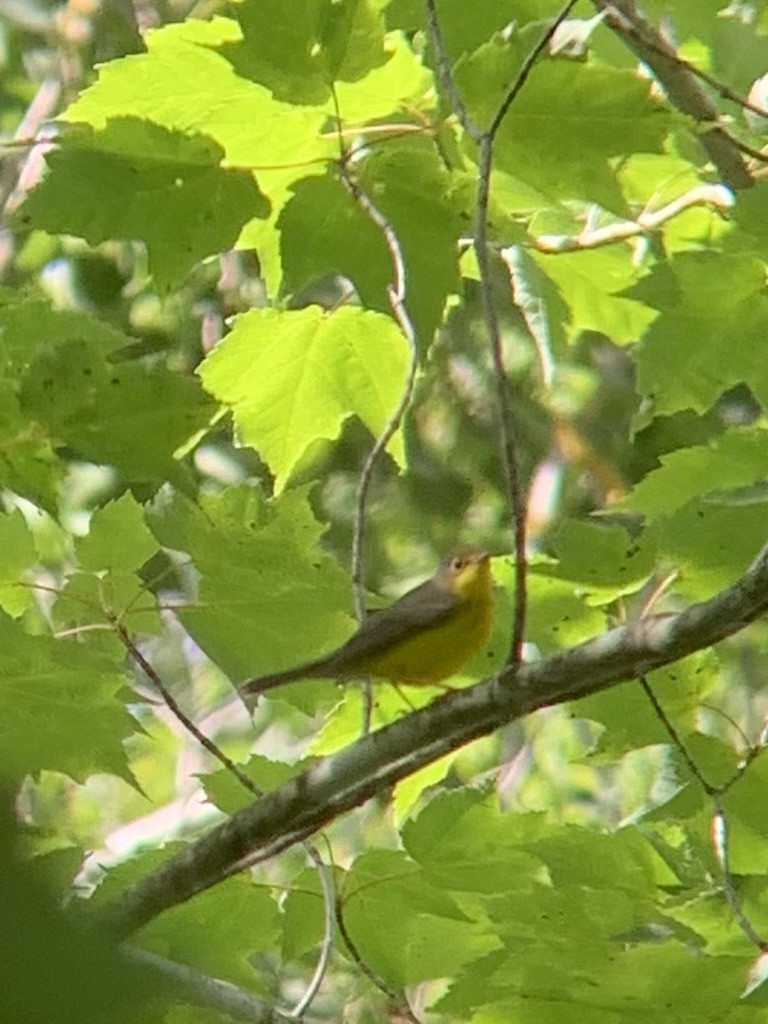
x=674, y=735
x=326, y=878
x=447, y=81
x=396, y=294
x=719, y=824
x=526, y=67
x=404, y=1011
x=720, y=843
x=329, y=920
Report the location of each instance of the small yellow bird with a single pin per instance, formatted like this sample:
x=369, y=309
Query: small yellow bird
x=421, y=639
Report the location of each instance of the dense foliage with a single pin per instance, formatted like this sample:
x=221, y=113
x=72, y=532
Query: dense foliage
x=249, y=256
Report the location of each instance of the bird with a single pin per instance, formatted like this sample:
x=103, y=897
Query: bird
x=421, y=639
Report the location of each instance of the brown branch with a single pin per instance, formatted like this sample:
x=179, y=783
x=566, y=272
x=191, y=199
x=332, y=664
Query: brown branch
x=329, y=896
x=509, y=435
x=719, y=819
x=396, y=999
x=347, y=779
x=178, y=712
x=206, y=991
x=396, y=295
x=676, y=738
x=680, y=84
x=484, y=138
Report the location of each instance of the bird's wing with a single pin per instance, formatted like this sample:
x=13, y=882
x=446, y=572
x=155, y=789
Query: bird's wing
x=424, y=606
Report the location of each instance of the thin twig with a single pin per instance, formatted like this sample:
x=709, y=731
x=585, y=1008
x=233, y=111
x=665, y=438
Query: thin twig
x=757, y=154
x=527, y=67
x=674, y=735
x=326, y=880
x=509, y=440
x=396, y=294
x=753, y=752
x=176, y=709
x=735, y=726
x=719, y=824
x=398, y=1001
x=21, y=172
x=703, y=195
x=660, y=589
x=447, y=81
x=720, y=844
x=93, y=627
x=329, y=920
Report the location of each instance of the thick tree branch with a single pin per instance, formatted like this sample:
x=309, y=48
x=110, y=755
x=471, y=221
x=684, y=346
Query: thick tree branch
x=372, y=764
x=680, y=85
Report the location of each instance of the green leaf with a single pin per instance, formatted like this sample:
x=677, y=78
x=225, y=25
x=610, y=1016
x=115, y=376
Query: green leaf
x=304, y=911
x=262, y=573
x=704, y=916
x=591, y=284
x=570, y=934
x=403, y=927
x=28, y=465
x=124, y=414
x=30, y=328
x=541, y=304
x=137, y=180
x=628, y=717
x=711, y=543
x=715, y=305
x=621, y=860
x=59, y=707
x=229, y=794
x=188, y=82
x=118, y=537
x=464, y=842
x=601, y=112
x=746, y=825
x=194, y=81
x=237, y=919
x=17, y=554
x=294, y=377
x=605, y=561
x=400, y=82
x=692, y=988
x=89, y=599
x=557, y=614
x=324, y=230
x=343, y=723
x=409, y=790
x=464, y=26
x=297, y=51
x=738, y=459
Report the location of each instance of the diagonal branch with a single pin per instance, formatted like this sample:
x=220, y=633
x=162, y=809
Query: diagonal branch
x=680, y=85
x=347, y=779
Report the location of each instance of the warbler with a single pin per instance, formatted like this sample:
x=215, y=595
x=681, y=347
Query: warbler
x=421, y=639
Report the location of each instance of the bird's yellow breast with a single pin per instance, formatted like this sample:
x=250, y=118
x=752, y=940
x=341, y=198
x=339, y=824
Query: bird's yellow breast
x=435, y=652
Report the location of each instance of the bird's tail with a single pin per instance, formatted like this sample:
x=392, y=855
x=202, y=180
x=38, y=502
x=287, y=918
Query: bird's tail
x=251, y=689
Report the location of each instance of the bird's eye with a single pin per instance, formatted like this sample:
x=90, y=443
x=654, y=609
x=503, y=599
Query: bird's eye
x=458, y=563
